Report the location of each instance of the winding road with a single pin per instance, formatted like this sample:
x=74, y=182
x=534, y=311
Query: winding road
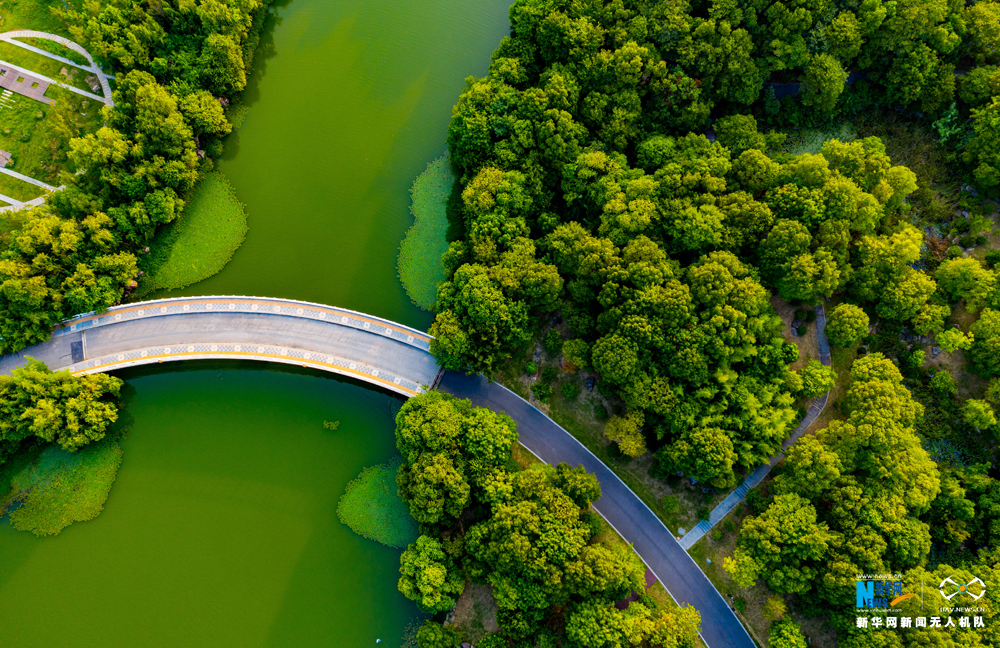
x=397, y=358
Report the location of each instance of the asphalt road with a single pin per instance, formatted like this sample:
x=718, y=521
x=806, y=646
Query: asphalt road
x=618, y=504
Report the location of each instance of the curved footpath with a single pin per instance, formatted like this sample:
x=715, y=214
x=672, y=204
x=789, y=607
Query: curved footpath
x=12, y=36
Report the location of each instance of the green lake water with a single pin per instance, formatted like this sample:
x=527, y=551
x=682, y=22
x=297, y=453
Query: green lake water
x=221, y=528
x=349, y=102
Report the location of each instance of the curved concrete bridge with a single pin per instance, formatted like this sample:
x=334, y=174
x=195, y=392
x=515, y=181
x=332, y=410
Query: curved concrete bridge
x=331, y=339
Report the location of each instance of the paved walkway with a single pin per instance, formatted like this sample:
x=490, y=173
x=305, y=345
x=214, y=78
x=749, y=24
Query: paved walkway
x=102, y=78
x=336, y=340
x=41, y=77
x=28, y=179
x=757, y=476
x=15, y=205
x=655, y=544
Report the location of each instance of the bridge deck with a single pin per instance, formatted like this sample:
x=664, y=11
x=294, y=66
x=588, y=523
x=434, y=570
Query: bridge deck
x=383, y=353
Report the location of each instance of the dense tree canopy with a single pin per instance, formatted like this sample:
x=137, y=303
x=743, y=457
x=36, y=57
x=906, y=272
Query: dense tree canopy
x=56, y=406
x=525, y=533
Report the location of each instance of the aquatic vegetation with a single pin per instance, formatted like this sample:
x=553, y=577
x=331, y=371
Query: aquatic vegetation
x=201, y=242
x=373, y=509
x=419, y=263
x=64, y=487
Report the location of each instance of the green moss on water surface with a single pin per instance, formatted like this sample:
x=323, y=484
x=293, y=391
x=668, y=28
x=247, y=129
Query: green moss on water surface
x=372, y=508
x=201, y=242
x=62, y=487
x=420, y=267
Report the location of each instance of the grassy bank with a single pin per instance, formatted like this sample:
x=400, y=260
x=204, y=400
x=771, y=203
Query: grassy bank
x=419, y=263
x=200, y=242
x=38, y=135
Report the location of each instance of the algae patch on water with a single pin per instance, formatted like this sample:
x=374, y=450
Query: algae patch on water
x=419, y=264
x=372, y=508
x=64, y=487
x=201, y=242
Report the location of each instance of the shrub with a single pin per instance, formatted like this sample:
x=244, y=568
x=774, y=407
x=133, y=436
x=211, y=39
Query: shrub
x=943, y=384
x=491, y=640
x=670, y=503
x=577, y=353
x=549, y=374
x=810, y=315
x=531, y=368
x=802, y=329
x=756, y=501
x=542, y=391
x=570, y=391
x=740, y=605
x=552, y=342
x=992, y=258
x=704, y=513
x=372, y=508
x=729, y=525
x=967, y=241
x=716, y=535
x=953, y=252
x=774, y=608
x=801, y=314
x=600, y=412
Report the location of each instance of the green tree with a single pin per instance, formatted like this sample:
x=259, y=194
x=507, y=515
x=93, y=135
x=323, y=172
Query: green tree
x=811, y=468
x=435, y=635
x=786, y=634
x=787, y=542
x=626, y=431
x=738, y=133
x=57, y=407
x=953, y=339
x=823, y=82
x=943, y=384
x=846, y=325
x=577, y=353
x=817, y=379
x=774, y=608
x=966, y=278
x=979, y=414
x=985, y=350
x=429, y=576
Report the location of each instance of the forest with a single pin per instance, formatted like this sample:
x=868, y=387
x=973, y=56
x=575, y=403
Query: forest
x=623, y=167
